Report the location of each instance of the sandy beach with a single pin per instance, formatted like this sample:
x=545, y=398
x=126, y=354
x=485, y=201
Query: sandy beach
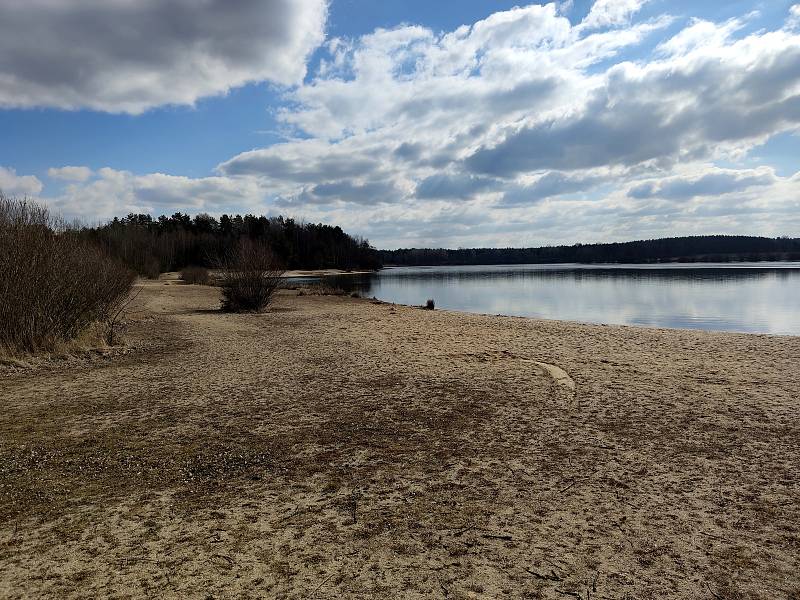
x=336, y=447
x=321, y=273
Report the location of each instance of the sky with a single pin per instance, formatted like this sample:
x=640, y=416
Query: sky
x=454, y=123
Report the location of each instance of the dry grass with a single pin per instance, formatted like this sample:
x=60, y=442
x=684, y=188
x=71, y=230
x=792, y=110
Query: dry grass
x=338, y=448
x=319, y=289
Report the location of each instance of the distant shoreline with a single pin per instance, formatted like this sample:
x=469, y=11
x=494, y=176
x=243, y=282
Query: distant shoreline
x=690, y=264
x=683, y=261
x=713, y=248
x=299, y=273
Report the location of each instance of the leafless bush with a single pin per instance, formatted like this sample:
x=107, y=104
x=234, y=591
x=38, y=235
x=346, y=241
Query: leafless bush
x=195, y=276
x=53, y=285
x=249, y=277
x=430, y=304
x=150, y=268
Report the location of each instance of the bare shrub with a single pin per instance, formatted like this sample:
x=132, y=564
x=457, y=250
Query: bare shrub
x=53, y=285
x=249, y=277
x=150, y=268
x=195, y=276
x=430, y=304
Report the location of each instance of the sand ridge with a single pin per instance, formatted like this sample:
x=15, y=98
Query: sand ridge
x=559, y=375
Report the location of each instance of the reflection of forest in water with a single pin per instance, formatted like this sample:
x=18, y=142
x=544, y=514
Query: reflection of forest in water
x=759, y=298
x=416, y=275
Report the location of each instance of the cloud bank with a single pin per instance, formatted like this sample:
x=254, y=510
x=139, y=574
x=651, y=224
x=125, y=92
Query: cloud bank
x=132, y=55
x=520, y=129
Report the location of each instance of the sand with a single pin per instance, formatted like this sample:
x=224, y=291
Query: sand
x=322, y=273
x=338, y=448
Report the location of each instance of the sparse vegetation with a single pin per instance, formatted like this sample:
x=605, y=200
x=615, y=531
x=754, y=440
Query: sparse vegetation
x=249, y=277
x=54, y=285
x=196, y=276
x=430, y=304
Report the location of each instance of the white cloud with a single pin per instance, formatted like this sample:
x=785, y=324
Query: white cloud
x=457, y=186
x=794, y=17
x=128, y=56
x=12, y=184
x=404, y=104
x=609, y=13
x=70, y=173
x=699, y=34
x=711, y=182
x=514, y=63
x=564, y=7
x=114, y=193
x=306, y=161
x=716, y=100
x=551, y=185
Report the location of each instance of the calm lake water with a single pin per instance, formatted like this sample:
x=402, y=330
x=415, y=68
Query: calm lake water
x=744, y=297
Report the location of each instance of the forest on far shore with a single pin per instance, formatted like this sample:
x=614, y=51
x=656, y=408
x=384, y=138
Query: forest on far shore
x=710, y=248
x=155, y=245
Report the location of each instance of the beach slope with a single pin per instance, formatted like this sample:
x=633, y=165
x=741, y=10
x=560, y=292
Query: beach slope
x=336, y=447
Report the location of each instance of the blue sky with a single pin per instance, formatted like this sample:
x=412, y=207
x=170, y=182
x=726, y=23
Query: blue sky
x=575, y=121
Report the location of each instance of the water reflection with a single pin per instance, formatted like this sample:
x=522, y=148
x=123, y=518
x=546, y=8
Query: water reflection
x=756, y=298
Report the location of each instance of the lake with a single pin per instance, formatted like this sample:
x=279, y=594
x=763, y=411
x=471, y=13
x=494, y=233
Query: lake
x=741, y=297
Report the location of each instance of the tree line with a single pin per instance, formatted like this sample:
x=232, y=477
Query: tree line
x=713, y=248
x=155, y=245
